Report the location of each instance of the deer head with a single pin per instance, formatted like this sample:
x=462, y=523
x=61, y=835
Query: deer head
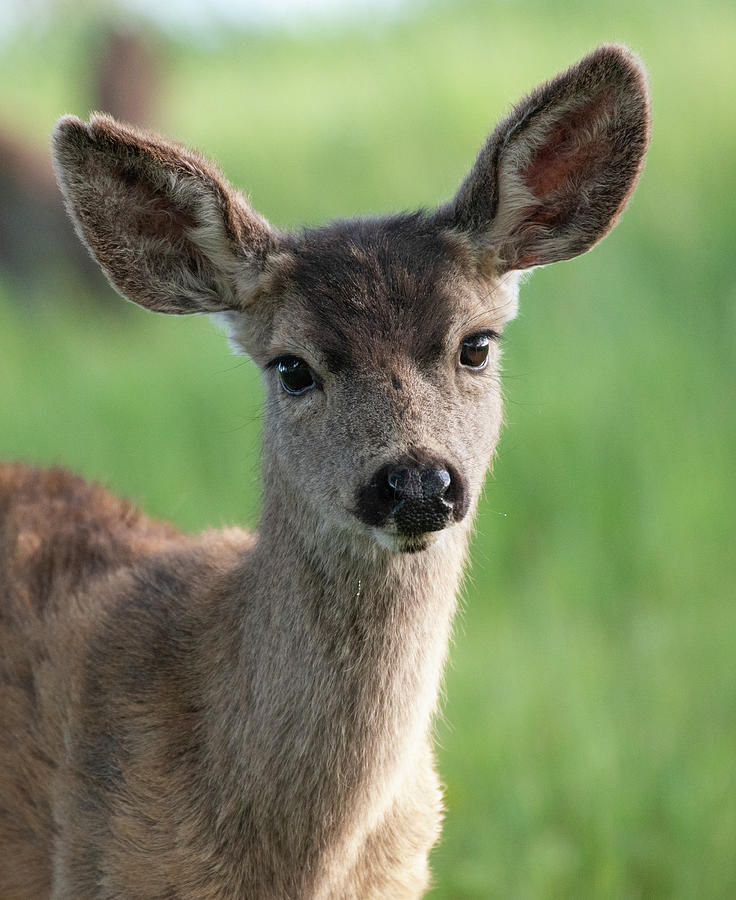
x=377, y=338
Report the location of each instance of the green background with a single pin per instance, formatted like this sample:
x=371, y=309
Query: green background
x=588, y=734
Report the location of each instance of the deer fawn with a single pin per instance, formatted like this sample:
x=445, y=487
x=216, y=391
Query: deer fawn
x=249, y=716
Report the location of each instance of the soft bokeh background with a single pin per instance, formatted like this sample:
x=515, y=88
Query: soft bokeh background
x=588, y=742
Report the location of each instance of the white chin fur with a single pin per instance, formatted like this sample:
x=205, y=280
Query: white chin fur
x=405, y=544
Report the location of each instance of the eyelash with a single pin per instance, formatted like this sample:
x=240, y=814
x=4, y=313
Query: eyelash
x=486, y=332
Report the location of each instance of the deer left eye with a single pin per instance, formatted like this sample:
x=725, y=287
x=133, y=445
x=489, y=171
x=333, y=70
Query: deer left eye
x=474, y=349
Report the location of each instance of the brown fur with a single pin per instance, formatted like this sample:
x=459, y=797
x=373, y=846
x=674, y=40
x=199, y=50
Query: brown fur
x=249, y=716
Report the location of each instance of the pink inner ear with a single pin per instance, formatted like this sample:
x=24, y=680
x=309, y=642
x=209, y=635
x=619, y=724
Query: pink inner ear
x=575, y=149
x=152, y=212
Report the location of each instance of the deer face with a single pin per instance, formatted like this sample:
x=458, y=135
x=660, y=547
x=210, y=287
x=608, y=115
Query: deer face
x=381, y=363
x=378, y=339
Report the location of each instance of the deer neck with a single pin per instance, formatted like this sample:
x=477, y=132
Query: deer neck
x=376, y=620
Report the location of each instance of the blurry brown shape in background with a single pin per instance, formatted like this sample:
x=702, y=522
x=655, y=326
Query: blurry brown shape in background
x=126, y=77
x=37, y=241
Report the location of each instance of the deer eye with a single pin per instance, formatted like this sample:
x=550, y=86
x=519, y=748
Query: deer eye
x=295, y=375
x=474, y=349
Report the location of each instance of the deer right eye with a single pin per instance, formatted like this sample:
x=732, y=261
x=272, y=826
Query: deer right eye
x=294, y=374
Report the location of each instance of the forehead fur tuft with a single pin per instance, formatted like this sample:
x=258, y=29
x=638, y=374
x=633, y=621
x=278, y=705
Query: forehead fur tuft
x=366, y=283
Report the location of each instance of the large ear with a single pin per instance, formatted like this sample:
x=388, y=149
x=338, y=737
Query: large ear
x=167, y=229
x=555, y=175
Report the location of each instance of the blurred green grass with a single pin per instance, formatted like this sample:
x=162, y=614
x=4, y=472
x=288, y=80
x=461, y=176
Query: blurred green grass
x=588, y=741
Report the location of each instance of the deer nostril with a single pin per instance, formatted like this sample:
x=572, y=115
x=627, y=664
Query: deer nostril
x=435, y=483
x=415, y=483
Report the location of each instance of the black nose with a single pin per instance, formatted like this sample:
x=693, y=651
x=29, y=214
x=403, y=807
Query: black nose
x=418, y=495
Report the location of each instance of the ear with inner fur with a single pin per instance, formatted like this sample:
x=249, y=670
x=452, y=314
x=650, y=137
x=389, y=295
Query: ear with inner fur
x=554, y=176
x=167, y=229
